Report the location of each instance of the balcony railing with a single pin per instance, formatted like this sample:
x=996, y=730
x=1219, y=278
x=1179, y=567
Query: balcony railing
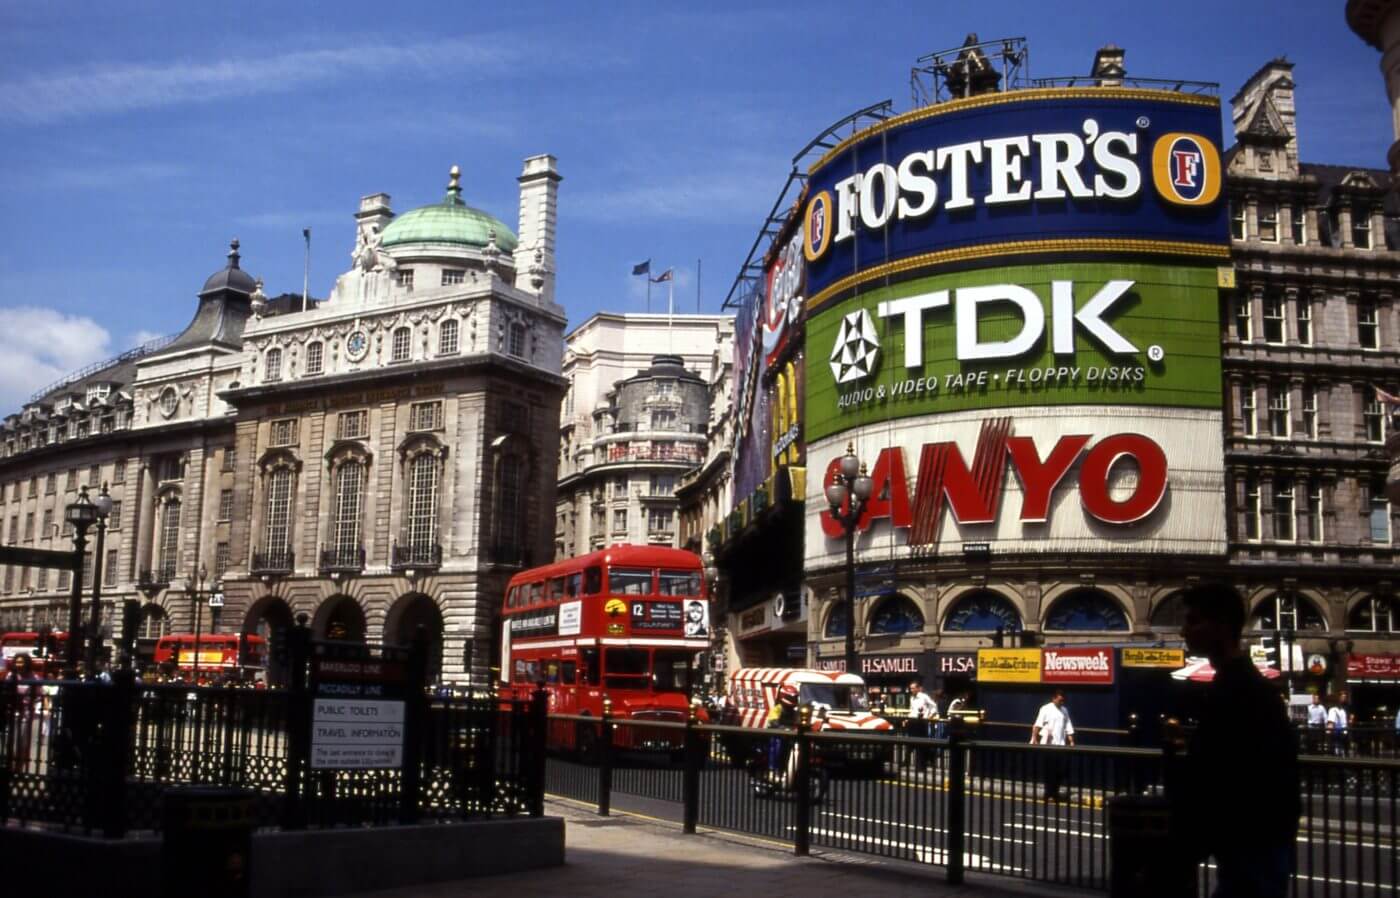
x=510, y=555
x=423, y=556
x=343, y=559
x=277, y=561
x=154, y=578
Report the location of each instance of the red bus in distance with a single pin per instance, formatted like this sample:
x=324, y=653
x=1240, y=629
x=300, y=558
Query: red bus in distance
x=218, y=655
x=624, y=623
x=55, y=649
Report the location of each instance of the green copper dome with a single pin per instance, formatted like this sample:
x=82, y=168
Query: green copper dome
x=450, y=221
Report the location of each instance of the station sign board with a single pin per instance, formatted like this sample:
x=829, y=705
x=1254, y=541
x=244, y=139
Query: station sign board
x=357, y=716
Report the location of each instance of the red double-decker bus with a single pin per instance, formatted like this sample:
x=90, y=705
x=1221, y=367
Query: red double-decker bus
x=623, y=623
x=221, y=656
x=46, y=651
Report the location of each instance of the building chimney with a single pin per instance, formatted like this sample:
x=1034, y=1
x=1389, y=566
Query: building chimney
x=1108, y=66
x=534, y=253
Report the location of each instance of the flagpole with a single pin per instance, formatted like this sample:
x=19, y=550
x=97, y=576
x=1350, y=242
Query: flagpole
x=670, y=310
x=306, y=270
x=648, y=292
x=697, y=286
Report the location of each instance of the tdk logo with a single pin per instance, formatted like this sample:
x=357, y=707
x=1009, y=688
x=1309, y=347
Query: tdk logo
x=857, y=348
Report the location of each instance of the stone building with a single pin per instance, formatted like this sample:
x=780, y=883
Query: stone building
x=635, y=420
x=1310, y=332
x=371, y=461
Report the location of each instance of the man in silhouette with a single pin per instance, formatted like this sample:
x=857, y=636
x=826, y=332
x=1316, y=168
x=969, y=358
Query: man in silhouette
x=1237, y=798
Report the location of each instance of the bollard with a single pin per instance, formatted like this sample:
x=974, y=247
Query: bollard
x=207, y=842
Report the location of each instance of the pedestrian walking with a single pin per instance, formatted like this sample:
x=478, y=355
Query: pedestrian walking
x=922, y=711
x=1053, y=727
x=1317, y=724
x=1235, y=793
x=1338, y=725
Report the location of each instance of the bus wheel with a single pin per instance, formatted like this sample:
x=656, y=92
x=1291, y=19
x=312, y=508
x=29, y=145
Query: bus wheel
x=586, y=742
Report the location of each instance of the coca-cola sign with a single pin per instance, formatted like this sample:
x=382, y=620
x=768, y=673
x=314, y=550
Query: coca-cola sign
x=1078, y=666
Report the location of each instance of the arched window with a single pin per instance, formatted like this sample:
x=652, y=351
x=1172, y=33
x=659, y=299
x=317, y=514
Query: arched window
x=420, y=528
x=836, y=620
x=509, y=495
x=272, y=365
x=155, y=623
x=1287, y=611
x=1375, y=614
x=277, y=528
x=1170, y=613
x=349, y=500
x=169, y=538
x=1086, y=609
x=400, y=345
x=447, y=337
x=315, y=358
x=982, y=610
x=896, y=615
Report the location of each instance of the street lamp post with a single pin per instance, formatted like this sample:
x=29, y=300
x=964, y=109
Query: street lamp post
x=103, y=504
x=849, y=490
x=81, y=514
x=200, y=575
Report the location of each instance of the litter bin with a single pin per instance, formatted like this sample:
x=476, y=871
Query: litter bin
x=208, y=840
x=1142, y=862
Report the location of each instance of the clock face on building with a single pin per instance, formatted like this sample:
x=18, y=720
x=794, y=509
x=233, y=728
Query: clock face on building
x=356, y=345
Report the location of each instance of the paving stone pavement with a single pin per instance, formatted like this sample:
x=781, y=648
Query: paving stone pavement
x=634, y=855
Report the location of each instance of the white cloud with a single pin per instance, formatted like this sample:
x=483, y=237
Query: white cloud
x=123, y=88
x=40, y=346
x=142, y=337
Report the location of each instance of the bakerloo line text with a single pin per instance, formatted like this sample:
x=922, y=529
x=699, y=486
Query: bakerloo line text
x=973, y=493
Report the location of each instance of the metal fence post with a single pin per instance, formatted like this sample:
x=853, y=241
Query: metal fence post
x=415, y=722
x=605, y=752
x=802, y=834
x=12, y=730
x=957, y=800
x=691, y=781
x=298, y=727
x=535, y=750
x=116, y=739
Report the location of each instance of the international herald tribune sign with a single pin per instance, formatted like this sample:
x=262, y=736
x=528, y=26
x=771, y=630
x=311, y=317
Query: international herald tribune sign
x=1013, y=312
x=357, y=717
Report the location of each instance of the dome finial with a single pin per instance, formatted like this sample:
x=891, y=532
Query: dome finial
x=454, y=187
x=233, y=253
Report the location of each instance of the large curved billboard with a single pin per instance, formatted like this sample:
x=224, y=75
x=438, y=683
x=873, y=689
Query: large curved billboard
x=1013, y=314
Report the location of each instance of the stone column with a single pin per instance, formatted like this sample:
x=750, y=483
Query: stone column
x=1377, y=22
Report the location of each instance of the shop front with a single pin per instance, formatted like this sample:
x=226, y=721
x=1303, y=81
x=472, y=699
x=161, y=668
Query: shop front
x=887, y=676
x=1373, y=681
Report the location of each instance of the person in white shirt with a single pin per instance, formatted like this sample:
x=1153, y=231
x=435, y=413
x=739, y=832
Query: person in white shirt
x=1317, y=723
x=922, y=711
x=1337, y=720
x=1053, y=727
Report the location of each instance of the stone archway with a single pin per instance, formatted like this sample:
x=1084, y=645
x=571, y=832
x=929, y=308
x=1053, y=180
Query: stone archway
x=411, y=611
x=339, y=618
x=270, y=618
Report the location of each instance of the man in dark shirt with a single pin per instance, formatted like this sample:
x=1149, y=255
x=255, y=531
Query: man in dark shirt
x=1238, y=797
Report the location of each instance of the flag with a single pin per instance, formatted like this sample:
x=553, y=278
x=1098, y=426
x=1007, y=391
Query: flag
x=642, y=267
x=663, y=276
x=1386, y=398
x=306, y=232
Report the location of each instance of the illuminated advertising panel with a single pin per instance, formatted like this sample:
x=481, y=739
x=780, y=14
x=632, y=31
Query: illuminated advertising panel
x=1013, y=314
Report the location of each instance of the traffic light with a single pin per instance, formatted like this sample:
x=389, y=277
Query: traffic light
x=999, y=638
x=44, y=644
x=131, y=625
x=278, y=646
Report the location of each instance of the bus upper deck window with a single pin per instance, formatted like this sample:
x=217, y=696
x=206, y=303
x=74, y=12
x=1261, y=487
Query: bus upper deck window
x=592, y=581
x=572, y=585
x=680, y=583
x=536, y=593
x=629, y=581
x=556, y=589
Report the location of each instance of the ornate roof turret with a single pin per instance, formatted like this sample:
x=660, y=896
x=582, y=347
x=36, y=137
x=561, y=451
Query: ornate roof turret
x=449, y=221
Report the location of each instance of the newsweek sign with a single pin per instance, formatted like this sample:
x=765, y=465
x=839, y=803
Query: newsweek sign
x=1077, y=666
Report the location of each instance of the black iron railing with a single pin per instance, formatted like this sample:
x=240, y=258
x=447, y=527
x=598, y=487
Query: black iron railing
x=155, y=578
x=421, y=556
x=342, y=559
x=95, y=758
x=959, y=802
x=280, y=561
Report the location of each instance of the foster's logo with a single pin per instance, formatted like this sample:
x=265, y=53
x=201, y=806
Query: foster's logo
x=1186, y=169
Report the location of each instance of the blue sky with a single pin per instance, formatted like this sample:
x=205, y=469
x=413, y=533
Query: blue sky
x=140, y=137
